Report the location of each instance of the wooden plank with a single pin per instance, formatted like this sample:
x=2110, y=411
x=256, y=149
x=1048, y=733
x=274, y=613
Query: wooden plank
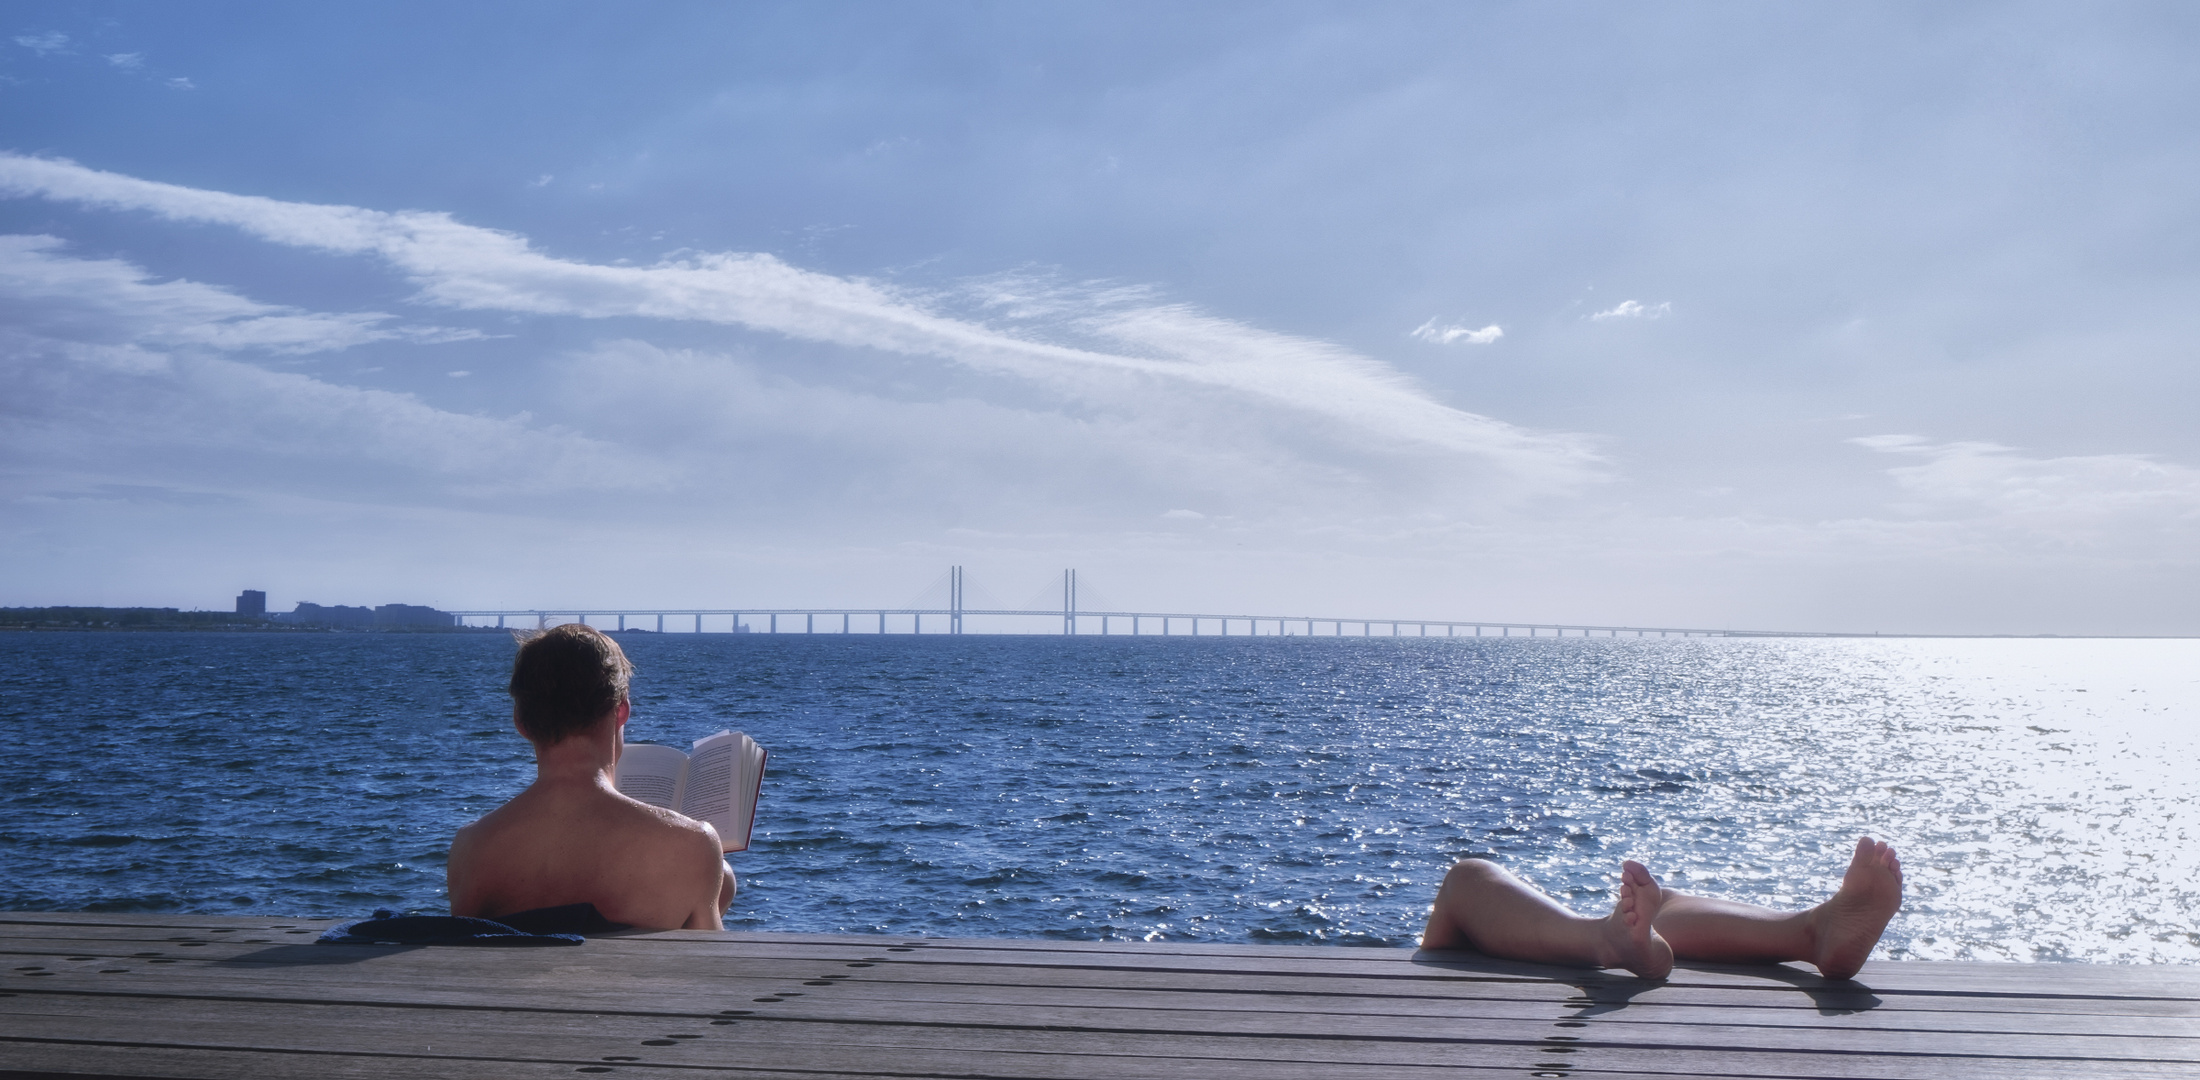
x=393, y=978
x=506, y=976
x=557, y=972
x=903, y=1049
x=1397, y=968
x=1911, y=978
x=136, y=920
x=554, y=975
x=557, y=964
x=466, y=975
x=81, y=1062
x=883, y=1048
x=1174, y=1024
x=84, y=1061
x=2184, y=980
x=1041, y=1009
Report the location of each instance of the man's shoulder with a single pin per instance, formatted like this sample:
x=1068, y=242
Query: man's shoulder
x=485, y=826
x=669, y=826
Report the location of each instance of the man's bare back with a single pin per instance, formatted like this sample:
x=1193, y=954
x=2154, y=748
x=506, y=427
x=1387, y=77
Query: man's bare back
x=572, y=842
x=572, y=838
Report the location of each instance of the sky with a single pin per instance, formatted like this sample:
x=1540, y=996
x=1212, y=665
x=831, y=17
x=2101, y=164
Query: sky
x=1835, y=317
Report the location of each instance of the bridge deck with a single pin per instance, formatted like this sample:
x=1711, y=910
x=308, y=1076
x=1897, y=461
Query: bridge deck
x=183, y=996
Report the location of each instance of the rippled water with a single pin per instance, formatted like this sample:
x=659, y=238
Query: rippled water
x=2043, y=793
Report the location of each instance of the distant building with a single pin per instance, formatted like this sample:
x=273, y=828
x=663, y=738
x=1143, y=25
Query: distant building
x=339, y=615
x=411, y=615
x=386, y=617
x=252, y=602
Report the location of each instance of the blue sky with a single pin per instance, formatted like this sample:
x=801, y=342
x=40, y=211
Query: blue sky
x=1839, y=316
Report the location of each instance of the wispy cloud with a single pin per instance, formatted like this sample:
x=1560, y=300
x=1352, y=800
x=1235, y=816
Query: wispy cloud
x=140, y=493
x=821, y=449
x=115, y=301
x=1370, y=398
x=51, y=41
x=128, y=61
x=467, y=266
x=100, y=364
x=77, y=408
x=2071, y=498
x=1634, y=309
x=1455, y=334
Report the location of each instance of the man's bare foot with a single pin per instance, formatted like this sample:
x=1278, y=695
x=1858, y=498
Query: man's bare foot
x=1629, y=941
x=1845, y=928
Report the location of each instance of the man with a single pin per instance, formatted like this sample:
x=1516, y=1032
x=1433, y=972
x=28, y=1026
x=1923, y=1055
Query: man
x=1482, y=907
x=571, y=837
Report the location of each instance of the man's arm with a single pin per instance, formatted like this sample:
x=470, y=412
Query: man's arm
x=717, y=895
x=458, y=874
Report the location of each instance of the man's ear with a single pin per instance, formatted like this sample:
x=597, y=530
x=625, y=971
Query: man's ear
x=619, y=714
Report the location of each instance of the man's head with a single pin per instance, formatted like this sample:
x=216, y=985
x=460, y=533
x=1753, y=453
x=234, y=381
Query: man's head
x=566, y=679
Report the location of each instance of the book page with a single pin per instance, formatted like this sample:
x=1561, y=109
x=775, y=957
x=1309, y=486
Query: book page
x=651, y=774
x=748, y=784
x=724, y=775
x=709, y=795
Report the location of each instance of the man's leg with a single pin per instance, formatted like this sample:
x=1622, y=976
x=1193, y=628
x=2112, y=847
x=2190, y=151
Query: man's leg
x=1835, y=936
x=1482, y=907
x=727, y=886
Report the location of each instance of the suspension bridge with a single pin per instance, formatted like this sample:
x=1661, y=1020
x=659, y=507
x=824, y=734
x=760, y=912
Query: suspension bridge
x=1068, y=619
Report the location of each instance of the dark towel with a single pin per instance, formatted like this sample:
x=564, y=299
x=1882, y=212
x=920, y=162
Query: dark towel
x=542, y=926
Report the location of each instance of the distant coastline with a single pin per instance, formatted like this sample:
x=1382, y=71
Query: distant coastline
x=171, y=620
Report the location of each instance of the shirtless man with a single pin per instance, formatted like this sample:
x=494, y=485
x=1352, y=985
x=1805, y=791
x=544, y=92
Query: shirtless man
x=1482, y=907
x=571, y=837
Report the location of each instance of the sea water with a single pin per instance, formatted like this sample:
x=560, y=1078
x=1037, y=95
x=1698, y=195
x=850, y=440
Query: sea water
x=2043, y=794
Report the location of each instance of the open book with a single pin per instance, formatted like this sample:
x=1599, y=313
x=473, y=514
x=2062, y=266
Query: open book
x=717, y=781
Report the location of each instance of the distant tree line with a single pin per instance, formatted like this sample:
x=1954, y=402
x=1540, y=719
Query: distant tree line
x=120, y=618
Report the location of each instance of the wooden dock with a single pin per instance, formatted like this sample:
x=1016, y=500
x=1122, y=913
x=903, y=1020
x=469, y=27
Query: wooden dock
x=184, y=996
